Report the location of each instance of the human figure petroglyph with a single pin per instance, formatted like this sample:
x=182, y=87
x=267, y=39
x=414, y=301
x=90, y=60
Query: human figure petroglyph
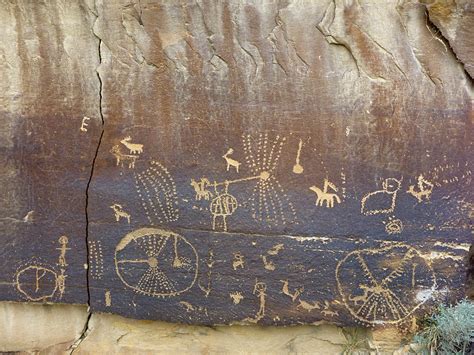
x=286, y=291
x=231, y=162
x=323, y=196
x=123, y=158
x=381, y=201
x=132, y=147
x=201, y=189
x=223, y=205
x=120, y=213
x=423, y=190
x=259, y=290
x=63, y=241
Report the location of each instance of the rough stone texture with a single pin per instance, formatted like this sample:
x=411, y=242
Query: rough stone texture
x=287, y=162
x=382, y=109
x=44, y=329
x=48, y=57
x=31, y=328
x=455, y=19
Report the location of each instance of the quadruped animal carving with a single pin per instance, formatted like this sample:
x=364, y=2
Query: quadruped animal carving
x=323, y=196
x=381, y=201
x=231, y=162
x=132, y=147
x=120, y=213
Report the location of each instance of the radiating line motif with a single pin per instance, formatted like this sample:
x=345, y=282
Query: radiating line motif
x=157, y=191
x=269, y=202
x=156, y=262
x=373, y=283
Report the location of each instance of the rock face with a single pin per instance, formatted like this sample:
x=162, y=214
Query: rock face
x=279, y=162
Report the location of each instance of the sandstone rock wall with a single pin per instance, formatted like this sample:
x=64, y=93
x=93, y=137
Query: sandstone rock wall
x=208, y=162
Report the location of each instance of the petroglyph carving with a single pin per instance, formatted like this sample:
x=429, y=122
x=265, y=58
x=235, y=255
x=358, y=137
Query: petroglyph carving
x=120, y=213
x=188, y=306
x=238, y=261
x=157, y=191
x=268, y=264
x=108, y=298
x=379, y=295
x=96, y=259
x=84, y=124
x=423, y=189
x=286, y=291
x=393, y=226
x=236, y=297
x=210, y=264
x=298, y=168
x=327, y=310
x=381, y=201
x=61, y=282
x=323, y=196
x=122, y=158
x=231, y=162
x=275, y=249
x=223, y=205
x=308, y=306
x=63, y=241
x=259, y=290
x=269, y=202
x=36, y=281
x=156, y=262
x=201, y=189
x=132, y=147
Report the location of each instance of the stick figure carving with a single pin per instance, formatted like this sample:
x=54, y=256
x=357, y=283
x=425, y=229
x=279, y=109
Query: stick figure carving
x=381, y=201
x=323, y=196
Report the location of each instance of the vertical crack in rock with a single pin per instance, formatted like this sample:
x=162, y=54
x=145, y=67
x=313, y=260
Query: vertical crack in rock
x=85, y=330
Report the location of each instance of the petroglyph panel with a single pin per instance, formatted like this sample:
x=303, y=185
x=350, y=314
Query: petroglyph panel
x=235, y=162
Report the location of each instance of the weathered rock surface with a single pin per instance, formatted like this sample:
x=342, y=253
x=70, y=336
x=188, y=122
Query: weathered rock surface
x=33, y=328
x=48, y=57
x=455, y=20
x=277, y=162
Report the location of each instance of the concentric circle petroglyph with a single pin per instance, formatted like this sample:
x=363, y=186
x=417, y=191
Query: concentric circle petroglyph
x=156, y=262
x=385, y=285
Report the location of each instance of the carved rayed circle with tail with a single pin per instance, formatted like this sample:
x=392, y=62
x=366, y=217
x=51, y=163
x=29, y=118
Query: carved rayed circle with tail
x=385, y=285
x=156, y=262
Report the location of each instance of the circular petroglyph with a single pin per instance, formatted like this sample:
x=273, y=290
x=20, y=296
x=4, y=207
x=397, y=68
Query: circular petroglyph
x=385, y=285
x=156, y=262
x=36, y=281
